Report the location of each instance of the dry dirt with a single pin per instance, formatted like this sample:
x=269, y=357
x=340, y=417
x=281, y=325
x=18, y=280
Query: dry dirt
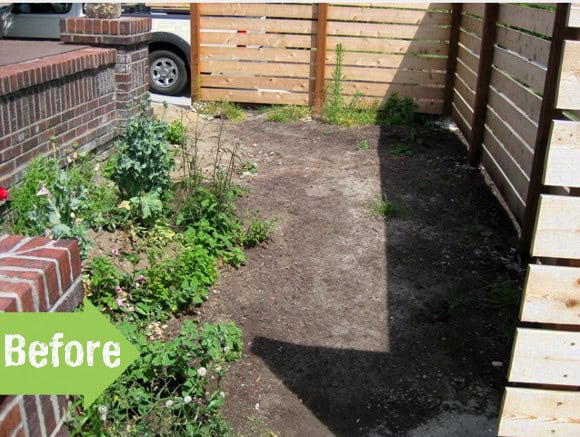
x=356, y=325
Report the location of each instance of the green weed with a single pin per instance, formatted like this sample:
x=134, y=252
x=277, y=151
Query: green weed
x=226, y=110
x=384, y=207
x=258, y=231
x=287, y=113
x=362, y=145
x=400, y=149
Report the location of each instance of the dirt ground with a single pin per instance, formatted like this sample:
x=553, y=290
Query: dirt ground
x=356, y=325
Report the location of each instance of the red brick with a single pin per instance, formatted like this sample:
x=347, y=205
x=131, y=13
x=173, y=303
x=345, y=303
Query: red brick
x=11, y=422
x=105, y=27
x=33, y=277
x=9, y=243
x=48, y=269
x=32, y=415
x=8, y=305
x=48, y=411
x=20, y=432
x=24, y=292
x=114, y=27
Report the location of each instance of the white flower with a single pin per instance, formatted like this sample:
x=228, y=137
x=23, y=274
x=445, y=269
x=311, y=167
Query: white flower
x=187, y=399
x=168, y=403
x=102, y=409
x=202, y=371
x=43, y=192
x=226, y=350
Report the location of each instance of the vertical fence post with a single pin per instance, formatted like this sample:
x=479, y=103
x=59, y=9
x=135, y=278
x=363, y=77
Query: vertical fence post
x=194, y=17
x=483, y=80
x=547, y=114
x=456, y=10
x=321, y=24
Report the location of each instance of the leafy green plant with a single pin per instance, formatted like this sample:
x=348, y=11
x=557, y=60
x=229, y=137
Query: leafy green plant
x=401, y=149
x=176, y=132
x=287, y=113
x=258, y=231
x=174, y=388
x=362, y=145
x=384, y=207
x=142, y=161
x=226, y=110
x=397, y=111
x=248, y=167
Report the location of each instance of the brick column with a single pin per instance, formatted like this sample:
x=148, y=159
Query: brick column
x=130, y=37
x=37, y=274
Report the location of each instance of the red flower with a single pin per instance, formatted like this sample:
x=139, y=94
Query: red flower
x=3, y=194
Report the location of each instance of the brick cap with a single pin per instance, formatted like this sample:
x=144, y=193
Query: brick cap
x=101, y=31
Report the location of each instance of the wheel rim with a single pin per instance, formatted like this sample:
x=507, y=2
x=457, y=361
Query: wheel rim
x=164, y=72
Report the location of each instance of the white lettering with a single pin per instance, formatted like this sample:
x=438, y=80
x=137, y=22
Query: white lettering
x=9, y=349
x=80, y=355
x=111, y=349
x=38, y=349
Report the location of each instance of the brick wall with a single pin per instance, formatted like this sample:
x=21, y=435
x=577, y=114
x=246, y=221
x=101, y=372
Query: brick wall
x=68, y=97
x=37, y=274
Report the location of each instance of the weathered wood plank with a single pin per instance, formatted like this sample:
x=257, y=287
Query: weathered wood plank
x=398, y=16
x=388, y=45
x=563, y=160
x=258, y=10
x=389, y=61
x=507, y=163
x=530, y=412
x=472, y=25
x=391, y=75
x=527, y=46
x=272, y=40
x=465, y=91
x=245, y=96
x=504, y=185
x=463, y=108
x=253, y=54
x=574, y=17
x=474, y=9
x=557, y=232
x=517, y=147
x=523, y=98
x=256, y=82
x=260, y=68
x=469, y=58
x=525, y=71
x=259, y=25
x=387, y=30
x=533, y=19
x=468, y=75
x=516, y=119
x=463, y=125
x=471, y=42
x=568, y=96
x=542, y=356
x=551, y=295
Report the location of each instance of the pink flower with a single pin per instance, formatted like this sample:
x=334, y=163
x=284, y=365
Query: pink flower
x=120, y=301
x=3, y=194
x=119, y=290
x=43, y=192
x=115, y=252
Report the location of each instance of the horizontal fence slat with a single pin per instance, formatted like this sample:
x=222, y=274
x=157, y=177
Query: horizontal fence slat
x=521, y=151
x=504, y=185
x=474, y=9
x=260, y=68
x=557, y=227
x=383, y=89
x=397, y=75
x=505, y=160
x=468, y=76
x=530, y=412
x=471, y=42
x=551, y=295
x=542, y=356
x=256, y=82
x=518, y=121
x=255, y=39
x=387, y=30
x=532, y=19
x=258, y=10
x=463, y=125
x=472, y=25
x=465, y=92
x=253, y=54
x=574, y=17
x=563, y=154
x=258, y=25
x=463, y=108
x=398, y=16
x=525, y=71
x=468, y=57
x=246, y=96
x=388, y=45
x=386, y=60
x=527, y=46
x=525, y=100
x=569, y=88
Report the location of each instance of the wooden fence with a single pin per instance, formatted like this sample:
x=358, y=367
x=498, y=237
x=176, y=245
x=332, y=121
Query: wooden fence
x=284, y=53
x=544, y=399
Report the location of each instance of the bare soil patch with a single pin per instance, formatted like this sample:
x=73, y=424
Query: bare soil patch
x=355, y=324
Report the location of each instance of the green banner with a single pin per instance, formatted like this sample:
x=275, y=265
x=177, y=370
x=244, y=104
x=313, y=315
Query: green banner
x=61, y=353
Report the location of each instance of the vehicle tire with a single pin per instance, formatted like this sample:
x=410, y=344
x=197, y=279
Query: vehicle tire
x=167, y=73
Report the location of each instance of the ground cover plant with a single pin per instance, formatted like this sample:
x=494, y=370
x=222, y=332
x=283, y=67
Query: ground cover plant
x=180, y=224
